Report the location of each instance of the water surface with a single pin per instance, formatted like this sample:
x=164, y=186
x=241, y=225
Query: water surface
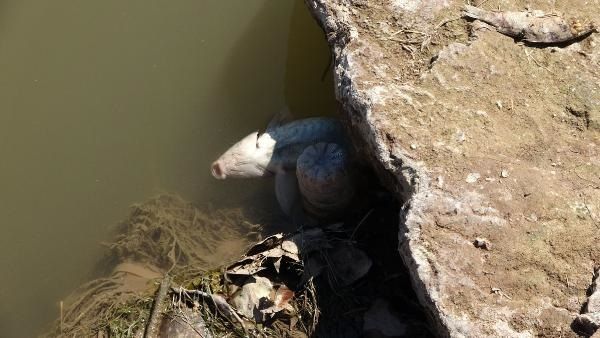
x=105, y=103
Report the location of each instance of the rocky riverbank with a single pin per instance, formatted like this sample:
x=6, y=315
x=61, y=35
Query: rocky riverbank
x=493, y=145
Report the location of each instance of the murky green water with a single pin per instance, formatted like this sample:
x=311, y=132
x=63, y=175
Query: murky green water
x=104, y=103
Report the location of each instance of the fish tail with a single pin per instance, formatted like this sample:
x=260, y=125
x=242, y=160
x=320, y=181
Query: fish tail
x=474, y=12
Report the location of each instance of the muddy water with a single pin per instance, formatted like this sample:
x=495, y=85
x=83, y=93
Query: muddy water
x=105, y=103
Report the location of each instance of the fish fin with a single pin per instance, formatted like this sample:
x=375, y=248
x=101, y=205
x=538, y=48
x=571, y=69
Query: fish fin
x=287, y=192
x=282, y=117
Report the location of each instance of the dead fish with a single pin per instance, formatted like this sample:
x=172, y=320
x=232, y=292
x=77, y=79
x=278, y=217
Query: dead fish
x=532, y=26
x=276, y=150
x=275, y=153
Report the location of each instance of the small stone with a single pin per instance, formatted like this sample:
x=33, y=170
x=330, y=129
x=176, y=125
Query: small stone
x=588, y=323
x=532, y=218
x=504, y=173
x=440, y=182
x=250, y=297
x=482, y=243
x=593, y=304
x=413, y=146
x=499, y=104
x=472, y=177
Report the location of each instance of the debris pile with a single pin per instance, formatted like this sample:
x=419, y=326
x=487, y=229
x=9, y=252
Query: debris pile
x=262, y=294
x=343, y=279
x=340, y=280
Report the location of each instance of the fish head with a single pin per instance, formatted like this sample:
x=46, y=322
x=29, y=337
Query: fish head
x=243, y=160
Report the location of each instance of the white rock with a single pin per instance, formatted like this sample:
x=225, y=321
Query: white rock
x=472, y=177
x=248, y=298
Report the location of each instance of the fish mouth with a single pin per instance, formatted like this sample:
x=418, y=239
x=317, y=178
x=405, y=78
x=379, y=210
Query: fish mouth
x=217, y=171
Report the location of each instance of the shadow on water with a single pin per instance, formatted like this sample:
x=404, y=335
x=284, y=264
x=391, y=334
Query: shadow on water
x=249, y=93
x=108, y=101
x=307, y=91
x=257, y=95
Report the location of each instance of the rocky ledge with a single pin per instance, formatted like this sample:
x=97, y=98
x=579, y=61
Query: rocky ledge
x=493, y=147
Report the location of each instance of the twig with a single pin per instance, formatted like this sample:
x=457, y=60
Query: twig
x=499, y=292
x=537, y=63
x=153, y=326
x=326, y=70
x=595, y=184
x=590, y=213
x=181, y=291
x=61, y=317
x=427, y=41
x=479, y=4
x=406, y=31
x=445, y=22
x=404, y=41
x=361, y=222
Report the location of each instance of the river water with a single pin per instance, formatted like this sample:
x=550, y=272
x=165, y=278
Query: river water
x=106, y=103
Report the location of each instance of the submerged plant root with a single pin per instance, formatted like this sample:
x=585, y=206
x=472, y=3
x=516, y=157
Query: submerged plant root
x=173, y=235
x=164, y=234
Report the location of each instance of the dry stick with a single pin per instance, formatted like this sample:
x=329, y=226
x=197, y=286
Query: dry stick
x=537, y=63
x=361, y=222
x=61, y=317
x=425, y=43
x=155, y=319
x=597, y=224
x=329, y=63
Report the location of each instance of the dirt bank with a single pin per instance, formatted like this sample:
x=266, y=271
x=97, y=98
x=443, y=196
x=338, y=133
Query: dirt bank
x=483, y=138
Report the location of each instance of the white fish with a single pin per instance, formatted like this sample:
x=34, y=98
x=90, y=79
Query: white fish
x=275, y=153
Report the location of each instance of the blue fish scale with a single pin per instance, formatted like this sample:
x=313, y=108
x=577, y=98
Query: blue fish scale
x=307, y=131
x=293, y=138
